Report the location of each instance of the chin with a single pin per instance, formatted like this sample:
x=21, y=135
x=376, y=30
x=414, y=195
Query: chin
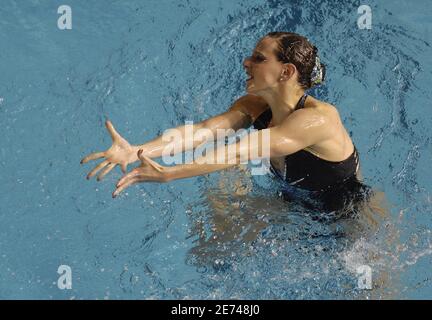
x=252, y=90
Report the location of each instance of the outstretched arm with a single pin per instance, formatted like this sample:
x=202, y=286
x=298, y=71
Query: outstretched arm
x=299, y=131
x=122, y=153
x=244, y=110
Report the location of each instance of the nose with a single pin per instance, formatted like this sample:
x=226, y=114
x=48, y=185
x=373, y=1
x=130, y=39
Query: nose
x=246, y=63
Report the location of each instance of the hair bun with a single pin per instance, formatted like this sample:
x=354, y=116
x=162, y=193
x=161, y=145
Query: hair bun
x=298, y=50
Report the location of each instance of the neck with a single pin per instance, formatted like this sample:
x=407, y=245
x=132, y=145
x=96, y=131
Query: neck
x=283, y=102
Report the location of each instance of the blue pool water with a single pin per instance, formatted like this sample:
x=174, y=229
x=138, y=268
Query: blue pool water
x=151, y=65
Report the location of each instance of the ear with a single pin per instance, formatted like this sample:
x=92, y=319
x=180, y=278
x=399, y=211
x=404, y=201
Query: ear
x=288, y=70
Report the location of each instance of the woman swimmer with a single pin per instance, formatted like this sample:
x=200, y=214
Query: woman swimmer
x=310, y=150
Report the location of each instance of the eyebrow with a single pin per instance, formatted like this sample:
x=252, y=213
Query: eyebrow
x=260, y=53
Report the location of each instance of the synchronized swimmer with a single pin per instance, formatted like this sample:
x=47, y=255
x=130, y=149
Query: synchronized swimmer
x=310, y=149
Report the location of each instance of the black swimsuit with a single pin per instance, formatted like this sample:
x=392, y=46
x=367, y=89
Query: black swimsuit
x=320, y=178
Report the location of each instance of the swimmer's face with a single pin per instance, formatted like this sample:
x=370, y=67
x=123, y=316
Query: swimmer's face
x=263, y=67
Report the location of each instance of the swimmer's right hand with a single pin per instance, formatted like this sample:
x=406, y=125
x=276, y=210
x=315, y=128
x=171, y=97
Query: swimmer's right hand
x=120, y=153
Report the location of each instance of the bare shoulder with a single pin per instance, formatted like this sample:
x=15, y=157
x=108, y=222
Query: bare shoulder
x=250, y=101
x=325, y=108
x=250, y=98
x=251, y=105
x=328, y=112
x=316, y=121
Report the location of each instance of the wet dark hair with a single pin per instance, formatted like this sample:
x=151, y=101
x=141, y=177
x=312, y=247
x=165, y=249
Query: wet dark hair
x=296, y=49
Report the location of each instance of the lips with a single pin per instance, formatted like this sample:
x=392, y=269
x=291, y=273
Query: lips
x=249, y=74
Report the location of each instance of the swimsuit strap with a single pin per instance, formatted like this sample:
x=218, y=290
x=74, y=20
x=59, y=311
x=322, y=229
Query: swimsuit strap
x=300, y=103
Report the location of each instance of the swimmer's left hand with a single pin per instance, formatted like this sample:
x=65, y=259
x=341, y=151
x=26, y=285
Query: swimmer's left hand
x=149, y=170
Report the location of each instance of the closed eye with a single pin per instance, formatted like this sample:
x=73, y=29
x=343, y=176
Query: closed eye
x=257, y=58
